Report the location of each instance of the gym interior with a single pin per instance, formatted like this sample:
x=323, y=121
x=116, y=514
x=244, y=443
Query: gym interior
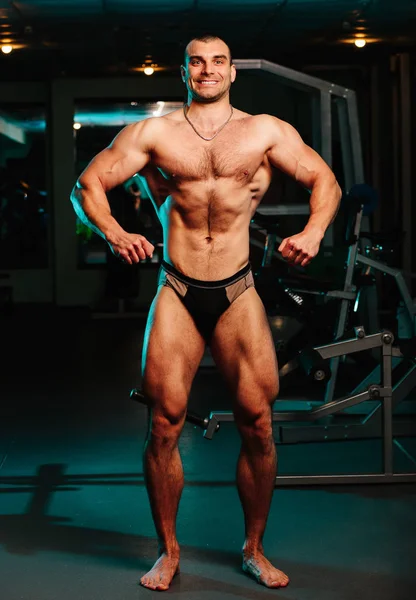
x=74, y=515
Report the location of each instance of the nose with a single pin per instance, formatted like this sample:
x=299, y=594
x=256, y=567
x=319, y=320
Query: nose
x=208, y=69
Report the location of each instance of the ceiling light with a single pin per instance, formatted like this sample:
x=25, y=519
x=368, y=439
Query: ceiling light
x=6, y=49
x=77, y=126
x=149, y=70
x=158, y=112
x=360, y=43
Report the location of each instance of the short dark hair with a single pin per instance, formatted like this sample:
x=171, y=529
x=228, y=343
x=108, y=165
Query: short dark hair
x=207, y=37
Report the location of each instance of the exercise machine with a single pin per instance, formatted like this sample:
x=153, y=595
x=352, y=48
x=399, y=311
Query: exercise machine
x=292, y=292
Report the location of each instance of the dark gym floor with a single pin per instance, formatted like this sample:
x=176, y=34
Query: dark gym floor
x=74, y=515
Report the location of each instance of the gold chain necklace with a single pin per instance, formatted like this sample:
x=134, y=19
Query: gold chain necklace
x=197, y=132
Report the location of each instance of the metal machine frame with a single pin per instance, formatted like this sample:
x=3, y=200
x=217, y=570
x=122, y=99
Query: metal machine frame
x=371, y=426
x=345, y=104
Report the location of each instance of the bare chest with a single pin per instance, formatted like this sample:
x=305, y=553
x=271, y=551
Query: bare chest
x=231, y=155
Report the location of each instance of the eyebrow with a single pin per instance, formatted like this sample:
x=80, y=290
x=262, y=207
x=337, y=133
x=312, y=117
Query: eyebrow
x=202, y=58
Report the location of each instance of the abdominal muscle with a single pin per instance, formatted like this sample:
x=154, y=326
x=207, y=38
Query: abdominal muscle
x=207, y=248
x=207, y=259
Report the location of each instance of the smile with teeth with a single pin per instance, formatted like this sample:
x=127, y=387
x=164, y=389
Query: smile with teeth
x=208, y=82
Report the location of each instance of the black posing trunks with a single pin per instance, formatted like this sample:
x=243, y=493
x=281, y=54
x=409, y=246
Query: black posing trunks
x=206, y=301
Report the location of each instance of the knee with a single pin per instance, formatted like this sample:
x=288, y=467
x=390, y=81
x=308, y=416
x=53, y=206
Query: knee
x=272, y=391
x=168, y=420
x=256, y=429
x=167, y=413
x=264, y=391
x=165, y=427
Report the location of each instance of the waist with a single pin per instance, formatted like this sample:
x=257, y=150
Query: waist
x=169, y=268
x=203, y=258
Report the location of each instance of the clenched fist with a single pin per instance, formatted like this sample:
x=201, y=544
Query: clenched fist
x=301, y=248
x=131, y=247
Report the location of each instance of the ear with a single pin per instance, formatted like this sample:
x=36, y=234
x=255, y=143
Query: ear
x=183, y=73
x=233, y=73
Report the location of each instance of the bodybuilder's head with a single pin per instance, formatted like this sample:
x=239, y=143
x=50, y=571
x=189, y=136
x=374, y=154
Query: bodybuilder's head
x=208, y=69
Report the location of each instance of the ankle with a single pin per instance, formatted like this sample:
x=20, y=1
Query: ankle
x=170, y=549
x=252, y=548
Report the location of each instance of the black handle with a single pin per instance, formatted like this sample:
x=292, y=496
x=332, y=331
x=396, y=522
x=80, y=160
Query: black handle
x=138, y=396
x=196, y=420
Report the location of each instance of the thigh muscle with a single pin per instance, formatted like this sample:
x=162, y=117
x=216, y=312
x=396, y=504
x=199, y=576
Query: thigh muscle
x=172, y=351
x=244, y=352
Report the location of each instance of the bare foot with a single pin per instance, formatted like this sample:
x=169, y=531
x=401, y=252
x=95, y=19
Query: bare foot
x=261, y=569
x=164, y=570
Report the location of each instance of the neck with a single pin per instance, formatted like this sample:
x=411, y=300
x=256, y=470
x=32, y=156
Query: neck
x=209, y=112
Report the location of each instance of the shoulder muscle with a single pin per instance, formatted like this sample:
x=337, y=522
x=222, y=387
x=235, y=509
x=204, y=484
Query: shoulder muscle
x=127, y=154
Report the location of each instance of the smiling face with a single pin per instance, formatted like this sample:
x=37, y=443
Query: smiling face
x=208, y=72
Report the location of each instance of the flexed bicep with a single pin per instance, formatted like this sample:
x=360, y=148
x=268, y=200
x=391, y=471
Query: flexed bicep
x=128, y=153
x=289, y=153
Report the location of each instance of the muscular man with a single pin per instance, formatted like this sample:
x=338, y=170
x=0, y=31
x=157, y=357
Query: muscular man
x=207, y=167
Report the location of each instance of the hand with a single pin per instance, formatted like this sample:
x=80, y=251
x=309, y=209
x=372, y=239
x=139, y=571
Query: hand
x=131, y=247
x=301, y=248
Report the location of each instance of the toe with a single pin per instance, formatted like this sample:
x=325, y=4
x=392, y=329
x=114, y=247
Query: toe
x=148, y=583
x=161, y=586
x=281, y=582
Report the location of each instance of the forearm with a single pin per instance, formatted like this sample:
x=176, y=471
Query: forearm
x=324, y=204
x=92, y=208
